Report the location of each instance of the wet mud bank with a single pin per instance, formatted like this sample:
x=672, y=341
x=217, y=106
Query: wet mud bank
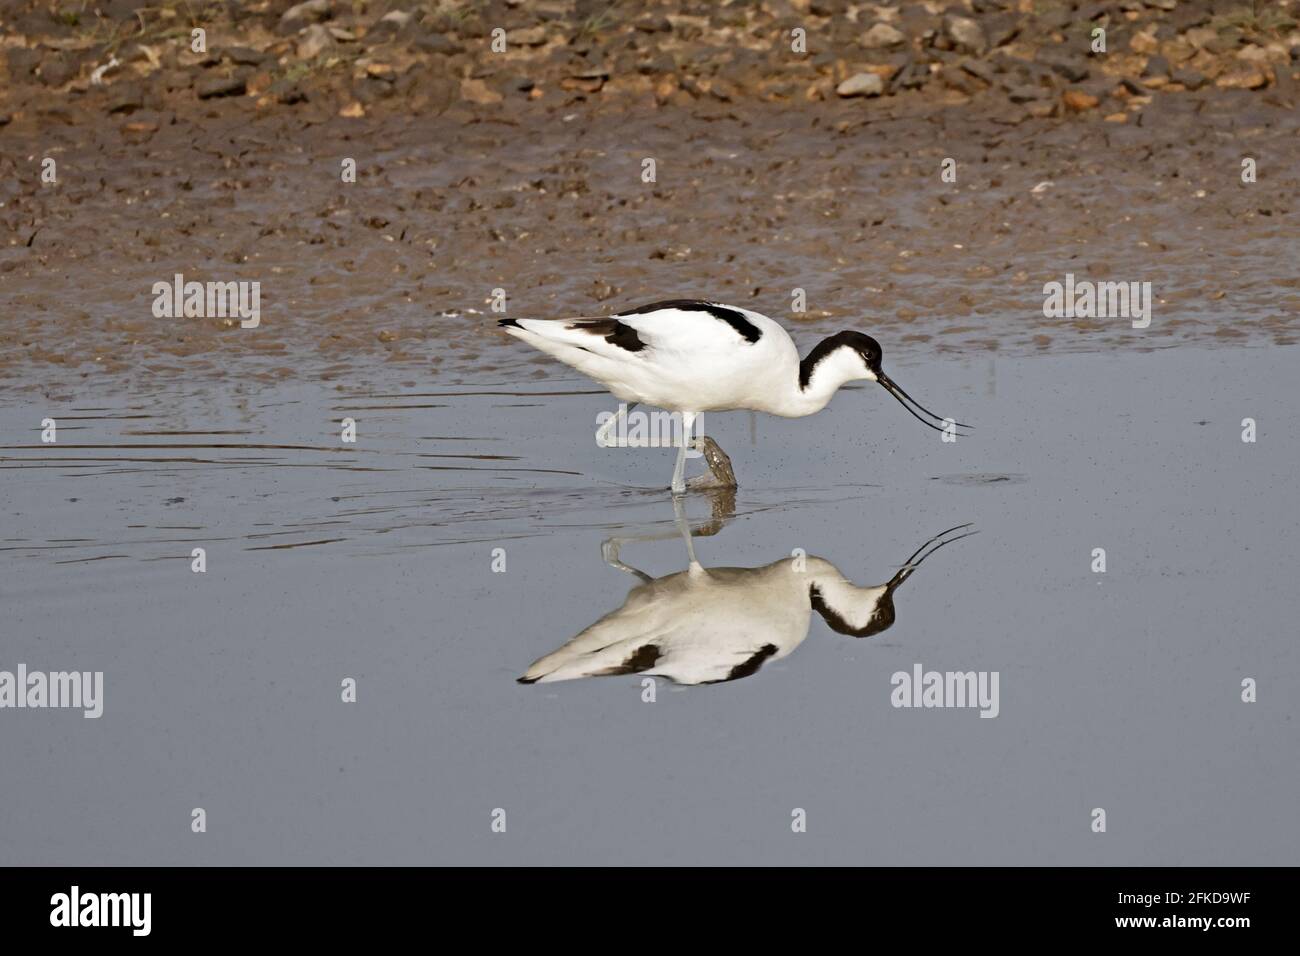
x=933, y=213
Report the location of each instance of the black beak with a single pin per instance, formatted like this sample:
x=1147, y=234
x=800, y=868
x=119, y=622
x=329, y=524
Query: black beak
x=907, y=401
x=927, y=549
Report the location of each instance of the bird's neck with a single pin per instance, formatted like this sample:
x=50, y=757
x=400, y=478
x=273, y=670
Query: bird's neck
x=821, y=373
x=846, y=607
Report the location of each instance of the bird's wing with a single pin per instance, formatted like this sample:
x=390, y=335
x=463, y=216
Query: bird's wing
x=655, y=331
x=687, y=637
x=689, y=324
x=613, y=639
x=603, y=337
x=686, y=652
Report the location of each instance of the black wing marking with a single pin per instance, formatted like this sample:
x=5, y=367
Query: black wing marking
x=643, y=658
x=613, y=331
x=748, y=330
x=750, y=666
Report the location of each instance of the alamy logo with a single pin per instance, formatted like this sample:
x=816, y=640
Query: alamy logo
x=208, y=300
x=1098, y=300
x=946, y=689
x=632, y=428
x=75, y=908
x=75, y=689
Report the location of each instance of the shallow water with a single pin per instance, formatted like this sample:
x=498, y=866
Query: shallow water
x=373, y=561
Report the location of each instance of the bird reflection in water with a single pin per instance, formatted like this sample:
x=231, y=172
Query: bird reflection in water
x=711, y=625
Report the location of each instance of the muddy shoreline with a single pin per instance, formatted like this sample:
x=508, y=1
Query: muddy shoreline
x=756, y=192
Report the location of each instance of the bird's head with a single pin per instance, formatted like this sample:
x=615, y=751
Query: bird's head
x=865, y=350
x=866, y=611
x=856, y=355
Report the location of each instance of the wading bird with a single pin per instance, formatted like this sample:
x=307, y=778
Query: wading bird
x=709, y=625
x=689, y=357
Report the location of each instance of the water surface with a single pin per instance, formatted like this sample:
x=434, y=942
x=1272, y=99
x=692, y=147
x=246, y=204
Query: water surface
x=374, y=561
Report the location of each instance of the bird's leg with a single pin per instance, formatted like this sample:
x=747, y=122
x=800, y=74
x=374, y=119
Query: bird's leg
x=721, y=474
x=678, y=487
x=602, y=433
x=724, y=508
x=609, y=551
x=684, y=529
x=679, y=472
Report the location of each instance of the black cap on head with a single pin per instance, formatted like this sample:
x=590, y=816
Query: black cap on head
x=867, y=347
x=861, y=343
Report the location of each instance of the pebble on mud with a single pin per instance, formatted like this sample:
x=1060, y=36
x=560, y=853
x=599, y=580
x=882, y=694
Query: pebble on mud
x=881, y=35
x=1156, y=66
x=1063, y=63
x=1144, y=42
x=1079, y=101
x=1200, y=36
x=1242, y=78
x=56, y=71
x=967, y=34
x=314, y=41
x=394, y=21
x=479, y=93
x=213, y=86
x=530, y=36
x=259, y=83
x=602, y=291
x=861, y=84
x=308, y=10
x=126, y=99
